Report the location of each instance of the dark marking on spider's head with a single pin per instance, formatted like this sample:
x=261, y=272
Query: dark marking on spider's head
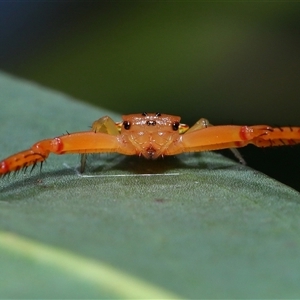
x=151, y=123
x=157, y=114
x=151, y=152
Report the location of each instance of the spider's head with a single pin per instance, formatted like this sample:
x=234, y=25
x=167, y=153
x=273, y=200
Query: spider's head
x=151, y=133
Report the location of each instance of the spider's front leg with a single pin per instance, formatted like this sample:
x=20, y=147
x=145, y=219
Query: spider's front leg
x=204, y=123
x=80, y=142
x=220, y=137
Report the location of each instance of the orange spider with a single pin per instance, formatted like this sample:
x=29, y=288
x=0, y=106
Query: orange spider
x=151, y=135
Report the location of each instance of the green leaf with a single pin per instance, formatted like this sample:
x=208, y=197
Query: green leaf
x=192, y=226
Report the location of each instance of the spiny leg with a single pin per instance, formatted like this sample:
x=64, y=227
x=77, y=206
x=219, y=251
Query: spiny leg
x=81, y=142
x=279, y=136
x=21, y=160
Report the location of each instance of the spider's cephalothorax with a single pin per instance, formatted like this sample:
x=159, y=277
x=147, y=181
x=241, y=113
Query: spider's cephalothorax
x=150, y=134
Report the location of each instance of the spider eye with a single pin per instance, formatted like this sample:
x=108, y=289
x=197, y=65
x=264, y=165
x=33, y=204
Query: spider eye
x=175, y=126
x=126, y=125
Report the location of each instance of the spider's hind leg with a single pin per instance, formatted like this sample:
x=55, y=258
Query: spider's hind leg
x=83, y=158
x=238, y=156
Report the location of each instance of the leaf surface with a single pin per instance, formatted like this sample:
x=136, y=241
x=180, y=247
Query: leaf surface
x=192, y=226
